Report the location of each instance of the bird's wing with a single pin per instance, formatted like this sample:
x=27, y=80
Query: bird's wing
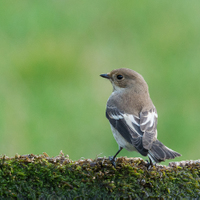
x=128, y=126
x=148, y=125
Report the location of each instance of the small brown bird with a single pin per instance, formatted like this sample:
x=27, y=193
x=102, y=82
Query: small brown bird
x=133, y=117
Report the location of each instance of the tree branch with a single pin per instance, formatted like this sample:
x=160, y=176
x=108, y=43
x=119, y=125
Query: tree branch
x=39, y=176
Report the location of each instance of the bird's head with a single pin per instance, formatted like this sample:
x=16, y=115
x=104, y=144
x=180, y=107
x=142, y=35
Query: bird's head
x=126, y=78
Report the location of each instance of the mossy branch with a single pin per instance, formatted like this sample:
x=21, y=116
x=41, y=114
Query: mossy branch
x=32, y=176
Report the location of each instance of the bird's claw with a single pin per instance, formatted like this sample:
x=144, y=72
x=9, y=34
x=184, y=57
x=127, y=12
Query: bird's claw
x=149, y=164
x=112, y=159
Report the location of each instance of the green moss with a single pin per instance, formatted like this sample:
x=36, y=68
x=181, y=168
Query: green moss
x=41, y=176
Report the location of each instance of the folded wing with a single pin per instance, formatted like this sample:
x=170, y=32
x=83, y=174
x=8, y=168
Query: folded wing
x=128, y=126
x=148, y=125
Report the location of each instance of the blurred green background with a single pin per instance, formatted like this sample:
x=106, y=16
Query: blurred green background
x=52, y=52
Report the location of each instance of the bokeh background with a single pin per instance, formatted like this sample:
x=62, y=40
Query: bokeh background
x=52, y=52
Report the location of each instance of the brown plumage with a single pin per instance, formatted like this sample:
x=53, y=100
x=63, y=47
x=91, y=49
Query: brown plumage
x=133, y=117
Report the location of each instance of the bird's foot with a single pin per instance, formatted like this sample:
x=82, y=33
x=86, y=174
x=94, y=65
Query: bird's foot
x=149, y=164
x=112, y=159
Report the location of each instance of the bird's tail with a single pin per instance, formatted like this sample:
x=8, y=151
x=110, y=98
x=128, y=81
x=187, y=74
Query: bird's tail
x=159, y=152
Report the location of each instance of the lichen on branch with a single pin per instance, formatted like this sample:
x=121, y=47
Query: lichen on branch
x=39, y=176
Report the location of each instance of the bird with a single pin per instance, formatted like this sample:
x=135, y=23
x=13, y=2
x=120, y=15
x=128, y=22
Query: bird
x=133, y=117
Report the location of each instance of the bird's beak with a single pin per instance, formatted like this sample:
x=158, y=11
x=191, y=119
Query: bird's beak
x=105, y=76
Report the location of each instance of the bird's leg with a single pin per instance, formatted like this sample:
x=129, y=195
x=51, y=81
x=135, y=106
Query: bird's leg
x=149, y=163
x=113, y=158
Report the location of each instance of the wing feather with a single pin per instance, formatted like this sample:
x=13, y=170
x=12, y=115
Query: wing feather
x=148, y=124
x=128, y=126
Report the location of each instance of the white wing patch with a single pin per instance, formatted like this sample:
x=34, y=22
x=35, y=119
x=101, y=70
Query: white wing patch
x=129, y=119
x=116, y=117
x=150, y=118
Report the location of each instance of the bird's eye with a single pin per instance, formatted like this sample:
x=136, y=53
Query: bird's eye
x=119, y=77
